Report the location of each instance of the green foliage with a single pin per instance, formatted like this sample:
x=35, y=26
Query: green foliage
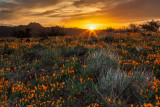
x=67, y=51
x=100, y=60
x=69, y=71
x=119, y=85
x=6, y=50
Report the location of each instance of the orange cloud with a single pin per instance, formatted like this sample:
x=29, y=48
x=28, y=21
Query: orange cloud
x=78, y=13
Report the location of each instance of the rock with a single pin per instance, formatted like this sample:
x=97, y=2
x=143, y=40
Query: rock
x=80, y=52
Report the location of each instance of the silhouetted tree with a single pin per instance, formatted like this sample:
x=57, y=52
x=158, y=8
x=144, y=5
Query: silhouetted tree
x=134, y=28
x=22, y=33
x=110, y=29
x=151, y=26
x=57, y=31
x=43, y=33
x=28, y=32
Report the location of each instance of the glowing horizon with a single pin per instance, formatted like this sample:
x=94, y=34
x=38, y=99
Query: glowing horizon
x=78, y=13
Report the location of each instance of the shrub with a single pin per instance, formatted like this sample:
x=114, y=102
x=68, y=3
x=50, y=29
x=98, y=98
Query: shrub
x=43, y=33
x=67, y=51
x=118, y=85
x=151, y=26
x=110, y=29
x=134, y=28
x=113, y=83
x=57, y=31
x=98, y=61
x=22, y=33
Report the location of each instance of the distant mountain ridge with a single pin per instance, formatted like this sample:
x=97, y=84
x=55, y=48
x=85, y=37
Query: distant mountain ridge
x=6, y=31
x=36, y=30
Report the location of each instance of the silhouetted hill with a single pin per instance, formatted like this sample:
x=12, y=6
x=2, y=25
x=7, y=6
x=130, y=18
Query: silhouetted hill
x=36, y=30
x=6, y=31
x=35, y=25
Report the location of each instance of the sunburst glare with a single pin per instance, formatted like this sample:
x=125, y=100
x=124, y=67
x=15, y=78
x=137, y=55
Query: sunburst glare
x=91, y=28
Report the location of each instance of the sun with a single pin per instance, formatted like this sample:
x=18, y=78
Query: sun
x=91, y=28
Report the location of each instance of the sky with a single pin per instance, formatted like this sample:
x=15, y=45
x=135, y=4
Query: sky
x=78, y=13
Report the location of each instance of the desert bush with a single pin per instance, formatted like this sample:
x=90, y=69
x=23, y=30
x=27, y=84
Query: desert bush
x=98, y=61
x=47, y=56
x=118, y=85
x=43, y=33
x=67, y=51
x=134, y=28
x=110, y=29
x=22, y=33
x=57, y=31
x=111, y=82
x=151, y=26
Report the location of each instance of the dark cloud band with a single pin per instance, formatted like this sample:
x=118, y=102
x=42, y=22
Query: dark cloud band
x=118, y=10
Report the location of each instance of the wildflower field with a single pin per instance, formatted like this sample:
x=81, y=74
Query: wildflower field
x=113, y=70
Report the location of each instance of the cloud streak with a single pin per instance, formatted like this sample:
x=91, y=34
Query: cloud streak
x=116, y=11
x=20, y=8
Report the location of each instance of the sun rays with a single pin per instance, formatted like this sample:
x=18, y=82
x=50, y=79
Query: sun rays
x=91, y=28
x=90, y=32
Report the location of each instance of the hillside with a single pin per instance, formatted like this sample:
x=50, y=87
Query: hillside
x=109, y=71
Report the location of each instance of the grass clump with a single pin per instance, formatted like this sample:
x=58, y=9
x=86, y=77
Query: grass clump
x=116, y=86
x=98, y=61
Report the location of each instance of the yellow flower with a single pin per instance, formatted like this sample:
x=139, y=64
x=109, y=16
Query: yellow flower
x=156, y=96
x=148, y=105
x=153, y=87
x=158, y=103
x=29, y=106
